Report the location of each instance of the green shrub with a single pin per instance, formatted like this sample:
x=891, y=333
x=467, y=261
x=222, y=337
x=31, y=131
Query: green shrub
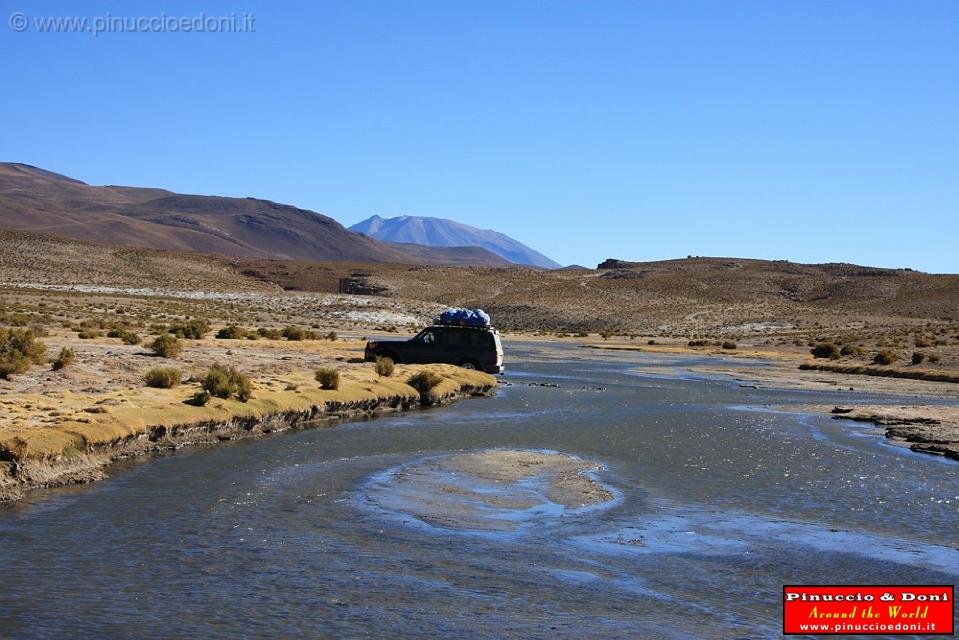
x=19, y=349
x=231, y=332
x=729, y=345
x=918, y=357
x=885, y=357
x=88, y=334
x=270, y=334
x=328, y=378
x=163, y=377
x=166, y=346
x=826, y=350
x=64, y=358
x=698, y=343
x=384, y=367
x=193, y=329
x=850, y=350
x=227, y=382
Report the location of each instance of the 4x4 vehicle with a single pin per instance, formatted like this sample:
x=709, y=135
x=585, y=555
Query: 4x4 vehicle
x=468, y=347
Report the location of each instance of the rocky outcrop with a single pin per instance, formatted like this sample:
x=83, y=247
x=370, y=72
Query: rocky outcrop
x=926, y=429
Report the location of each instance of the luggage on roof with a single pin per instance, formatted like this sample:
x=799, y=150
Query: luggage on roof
x=465, y=318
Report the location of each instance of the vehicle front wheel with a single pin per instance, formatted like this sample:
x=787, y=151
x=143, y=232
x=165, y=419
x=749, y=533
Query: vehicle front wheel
x=469, y=364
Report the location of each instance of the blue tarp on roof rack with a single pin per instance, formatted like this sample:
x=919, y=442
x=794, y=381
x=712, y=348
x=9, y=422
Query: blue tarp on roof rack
x=465, y=318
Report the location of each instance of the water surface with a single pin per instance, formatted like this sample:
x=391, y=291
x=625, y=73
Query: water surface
x=717, y=499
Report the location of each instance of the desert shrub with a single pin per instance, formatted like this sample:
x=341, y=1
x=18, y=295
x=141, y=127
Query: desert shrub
x=918, y=357
x=128, y=337
x=331, y=336
x=604, y=335
x=39, y=330
x=200, y=398
x=193, y=329
x=885, y=357
x=698, y=343
x=64, y=358
x=166, y=346
x=582, y=334
x=850, y=350
x=231, y=332
x=294, y=333
x=162, y=377
x=424, y=381
x=15, y=319
x=328, y=378
x=19, y=348
x=88, y=334
x=933, y=357
x=826, y=350
x=270, y=334
x=384, y=367
x=227, y=382
x=651, y=342
x=922, y=342
x=729, y=345
x=298, y=333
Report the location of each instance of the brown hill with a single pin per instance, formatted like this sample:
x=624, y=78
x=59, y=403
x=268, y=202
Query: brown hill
x=65, y=263
x=672, y=296
x=743, y=300
x=36, y=200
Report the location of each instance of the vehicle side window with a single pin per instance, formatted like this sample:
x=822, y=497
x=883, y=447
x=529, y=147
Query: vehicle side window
x=459, y=338
x=431, y=336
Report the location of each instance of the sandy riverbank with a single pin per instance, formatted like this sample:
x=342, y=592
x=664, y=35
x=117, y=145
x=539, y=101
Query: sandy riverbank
x=58, y=437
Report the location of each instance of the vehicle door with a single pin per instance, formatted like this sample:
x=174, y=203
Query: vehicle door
x=459, y=346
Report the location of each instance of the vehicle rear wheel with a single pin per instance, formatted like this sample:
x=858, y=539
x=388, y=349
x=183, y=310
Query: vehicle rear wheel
x=469, y=364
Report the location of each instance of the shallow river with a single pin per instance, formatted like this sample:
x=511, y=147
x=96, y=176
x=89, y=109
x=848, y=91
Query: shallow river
x=703, y=502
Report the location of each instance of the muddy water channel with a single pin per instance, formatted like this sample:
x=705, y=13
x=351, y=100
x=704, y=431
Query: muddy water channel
x=627, y=501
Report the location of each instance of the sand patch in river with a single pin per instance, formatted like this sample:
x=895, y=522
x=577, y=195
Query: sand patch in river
x=503, y=490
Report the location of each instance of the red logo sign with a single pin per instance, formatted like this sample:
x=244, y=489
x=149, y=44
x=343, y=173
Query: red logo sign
x=862, y=609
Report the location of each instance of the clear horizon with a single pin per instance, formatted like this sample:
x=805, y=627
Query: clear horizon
x=812, y=132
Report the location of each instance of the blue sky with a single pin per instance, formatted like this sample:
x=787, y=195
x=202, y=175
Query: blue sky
x=809, y=131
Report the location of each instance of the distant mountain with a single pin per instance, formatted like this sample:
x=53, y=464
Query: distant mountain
x=36, y=200
x=439, y=232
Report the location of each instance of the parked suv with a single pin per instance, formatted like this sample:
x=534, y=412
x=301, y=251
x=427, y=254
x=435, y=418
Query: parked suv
x=468, y=347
